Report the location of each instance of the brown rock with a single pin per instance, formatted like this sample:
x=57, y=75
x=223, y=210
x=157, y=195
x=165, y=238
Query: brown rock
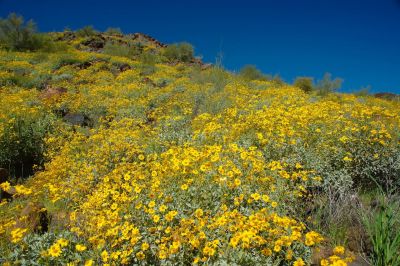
x=34, y=217
x=141, y=37
x=77, y=119
x=124, y=67
x=51, y=92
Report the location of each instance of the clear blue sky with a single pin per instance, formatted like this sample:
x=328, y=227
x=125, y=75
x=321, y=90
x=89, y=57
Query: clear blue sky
x=358, y=40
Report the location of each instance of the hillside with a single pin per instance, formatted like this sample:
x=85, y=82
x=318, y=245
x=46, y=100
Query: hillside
x=115, y=152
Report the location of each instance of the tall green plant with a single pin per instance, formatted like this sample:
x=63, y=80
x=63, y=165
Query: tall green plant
x=382, y=228
x=16, y=34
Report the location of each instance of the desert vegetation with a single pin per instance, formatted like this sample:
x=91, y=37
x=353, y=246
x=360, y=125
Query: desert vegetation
x=120, y=150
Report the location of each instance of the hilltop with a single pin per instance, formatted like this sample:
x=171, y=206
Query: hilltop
x=121, y=150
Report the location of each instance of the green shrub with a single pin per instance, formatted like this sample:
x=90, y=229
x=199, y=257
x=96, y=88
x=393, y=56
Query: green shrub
x=250, y=72
x=148, y=58
x=17, y=35
x=86, y=31
x=47, y=45
x=22, y=143
x=183, y=52
x=304, y=83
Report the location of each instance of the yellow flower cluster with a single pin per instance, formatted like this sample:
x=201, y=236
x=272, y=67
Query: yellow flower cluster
x=17, y=234
x=339, y=258
x=56, y=249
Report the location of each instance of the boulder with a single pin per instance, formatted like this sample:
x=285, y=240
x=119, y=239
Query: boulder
x=124, y=67
x=76, y=119
x=35, y=217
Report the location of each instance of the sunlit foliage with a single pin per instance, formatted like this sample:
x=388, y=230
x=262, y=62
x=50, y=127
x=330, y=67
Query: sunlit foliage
x=175, y=168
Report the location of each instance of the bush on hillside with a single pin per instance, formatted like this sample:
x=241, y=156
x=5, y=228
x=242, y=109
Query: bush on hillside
x=16, y=34
x=327, y=84
x=86, y=31
x=128, y=50
x=24, y=127
x=251, y=72
x=183, y=52
x=306, y=84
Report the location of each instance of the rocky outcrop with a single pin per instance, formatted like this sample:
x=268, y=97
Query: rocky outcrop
x=95, y=43
x=386, y=95
x=141, y=37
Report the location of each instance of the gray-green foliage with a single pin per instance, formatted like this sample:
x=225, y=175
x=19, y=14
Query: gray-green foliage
x=327, y=84
x=370, y=171
x=35, y=245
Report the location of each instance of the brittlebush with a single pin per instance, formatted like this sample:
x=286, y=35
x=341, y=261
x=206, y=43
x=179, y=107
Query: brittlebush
x=183, y=173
